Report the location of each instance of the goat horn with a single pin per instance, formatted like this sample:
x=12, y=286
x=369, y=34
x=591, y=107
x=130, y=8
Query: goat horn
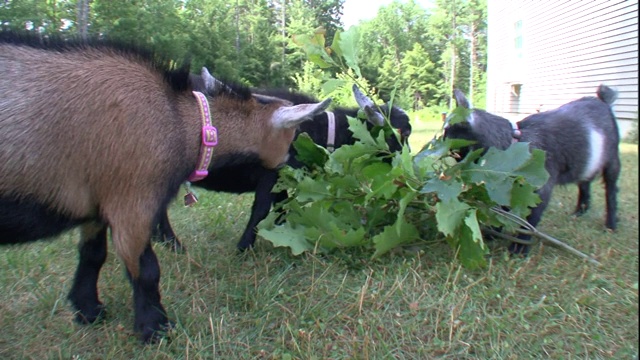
x=212, y=84
x=367, y=105
x=461, y=100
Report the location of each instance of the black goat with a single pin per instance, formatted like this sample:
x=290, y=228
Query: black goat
x=580, y=139
x=243, y=179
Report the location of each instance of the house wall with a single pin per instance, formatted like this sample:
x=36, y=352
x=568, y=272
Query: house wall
x=564, y=51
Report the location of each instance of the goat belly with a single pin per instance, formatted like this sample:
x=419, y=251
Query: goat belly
x=24, y=220
x=236, y=179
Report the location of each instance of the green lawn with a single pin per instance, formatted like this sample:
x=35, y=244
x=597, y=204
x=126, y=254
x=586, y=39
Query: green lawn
x=414, y=304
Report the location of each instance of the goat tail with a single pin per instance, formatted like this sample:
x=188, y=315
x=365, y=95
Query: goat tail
x=607, y=94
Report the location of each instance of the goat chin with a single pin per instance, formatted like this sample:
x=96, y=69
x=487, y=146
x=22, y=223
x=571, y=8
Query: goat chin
x=581, y=141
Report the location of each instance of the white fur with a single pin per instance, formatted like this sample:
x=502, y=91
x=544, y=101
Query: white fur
x=596, y=155
x=471, y=119
x=291, y=116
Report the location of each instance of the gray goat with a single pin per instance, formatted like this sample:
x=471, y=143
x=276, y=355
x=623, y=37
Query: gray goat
x=580, y=139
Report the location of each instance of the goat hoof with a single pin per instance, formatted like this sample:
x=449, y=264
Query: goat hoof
x=151, y=335
x=90, y=315
x=244, y=245
x=171, y=242
x=516, y=249
x=579, y=213
x=176, y=246
x=243, y=248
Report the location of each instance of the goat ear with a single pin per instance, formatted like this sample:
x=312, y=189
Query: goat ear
x=291, y=116
x=460, y=99
x=369, y=108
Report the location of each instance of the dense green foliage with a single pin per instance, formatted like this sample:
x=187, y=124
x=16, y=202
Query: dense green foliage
x=365, y=196
x=423, y=52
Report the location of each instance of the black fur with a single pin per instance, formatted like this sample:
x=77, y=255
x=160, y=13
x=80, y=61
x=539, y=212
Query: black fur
x=84, y=291
x=24, y=219
x=565, y=134
x=255, y=178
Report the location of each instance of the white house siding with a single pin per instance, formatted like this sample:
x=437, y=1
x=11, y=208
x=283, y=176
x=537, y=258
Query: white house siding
x=568, y=48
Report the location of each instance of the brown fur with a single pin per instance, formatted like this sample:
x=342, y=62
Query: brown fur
x=103, y=130
x=102, y=136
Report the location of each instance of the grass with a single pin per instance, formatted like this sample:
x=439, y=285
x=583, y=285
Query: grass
x=415, y=304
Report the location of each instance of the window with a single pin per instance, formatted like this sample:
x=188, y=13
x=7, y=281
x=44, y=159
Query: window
x=515, y=90
x=517, y=39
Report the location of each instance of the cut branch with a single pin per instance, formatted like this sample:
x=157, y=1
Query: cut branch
x=528, y=229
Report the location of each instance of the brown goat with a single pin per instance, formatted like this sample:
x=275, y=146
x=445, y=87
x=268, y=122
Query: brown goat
x=102, y=136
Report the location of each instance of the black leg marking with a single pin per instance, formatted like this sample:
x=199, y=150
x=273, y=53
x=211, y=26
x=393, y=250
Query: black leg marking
x=611, y=174
x=533, y=219
x=164, y=234
x=584, y=198
x=84, y=292
x=150, y=317
x=260, y=209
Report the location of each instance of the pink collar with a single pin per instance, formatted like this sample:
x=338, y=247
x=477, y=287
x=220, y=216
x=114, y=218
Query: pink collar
x=331, y=131
x=209, y=140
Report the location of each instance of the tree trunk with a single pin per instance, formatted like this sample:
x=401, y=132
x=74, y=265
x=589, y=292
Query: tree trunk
x=472, y=58
x=82, y=8
x=237, y=29
x=284, y=40
x=452, y=76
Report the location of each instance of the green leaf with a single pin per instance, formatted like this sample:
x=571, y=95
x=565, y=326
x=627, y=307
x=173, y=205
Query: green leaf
x=308, y=152
x=471, y=248
x=405, y=162
x=332, y=85
x=534, y=171
x=342, y=186
x=523, y=198
x=435, y=148
x=361, y=132
x=349, y=47
x=393, y=236
x=500, y=162
x=312, y=190
x=313, y=46
x=336, y=40
x=471, y=222
x=458, y=143
x=287, y=237
x=498, y=170
x=446, y=190
x=450, y=215
x=345, y=155
x=376, y=169
x=383, y=180
x=495, y=169
x=458, y=115
x=332, y=236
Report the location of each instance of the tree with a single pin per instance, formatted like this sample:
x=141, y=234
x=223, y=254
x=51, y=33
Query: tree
x=82, y=18
x=418, y=78
x=46, y=17
x=387, y=40
x=422, y=53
